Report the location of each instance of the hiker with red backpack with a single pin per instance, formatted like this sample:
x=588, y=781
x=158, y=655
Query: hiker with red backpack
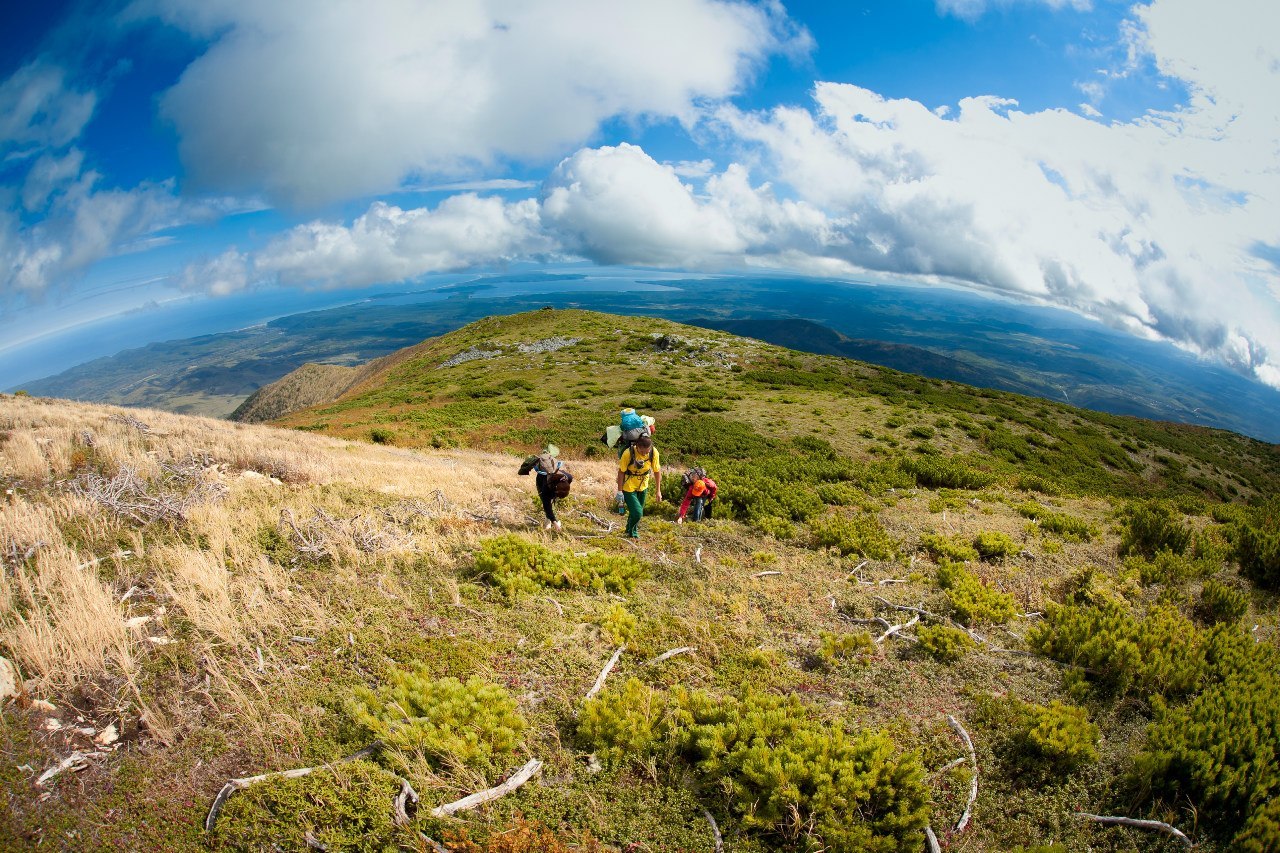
x=699, y=492
x=637, y=466
x=552, y=481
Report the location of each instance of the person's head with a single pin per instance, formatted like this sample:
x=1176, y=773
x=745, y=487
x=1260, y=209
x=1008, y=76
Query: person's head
x=698, y=489
x=644, y=444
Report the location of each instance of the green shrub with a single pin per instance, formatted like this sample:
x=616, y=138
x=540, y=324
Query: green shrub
x=942, y=547
x=1258, y=545
x=781, y=772
x=1262, y=832
x=447, y=721
x=346, y=807
x=1168, y=568
x=1221, y=603
x=1161, y=654
x=840, y=494
x=861, y=534
x=972, y=600
x=517, y=565
x=939, y=472
x=1221, y=750
x=1058, y=735
x=618, y=623
x=835, y=647
x=992, y=545
x=778, y=528
x=1150, y=527
x=944, y=643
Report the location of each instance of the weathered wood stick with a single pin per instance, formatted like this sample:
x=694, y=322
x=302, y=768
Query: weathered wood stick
x=932, y=840
x=480, y=797
x=683, y=650
x=765, y=574
x=893, y=629
x=973, y=759
x=604, y=673
x=715, y=831
x=245, y=781
x=1138, y=823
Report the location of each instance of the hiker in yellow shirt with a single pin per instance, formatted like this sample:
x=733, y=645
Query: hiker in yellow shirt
x=635, y=466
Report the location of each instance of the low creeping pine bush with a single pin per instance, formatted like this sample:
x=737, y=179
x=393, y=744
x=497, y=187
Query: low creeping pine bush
x=834, y=647
x=947, y=548
x=940, y=472
x=517, y=565
x=1149, y=527
x=972, y=600
x=1161, y=654
x=1258, y=545
x=944, y=643
x=1221, y=603
x=799, y=781
x=860, y=533
x=1056, y=738
x=1221, y=750
x=1168, y=568
x=446, y=720
x=993, y=545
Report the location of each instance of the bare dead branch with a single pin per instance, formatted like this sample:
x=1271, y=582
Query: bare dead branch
x=436, y=846
x=559, y=607
x=667, y=655
x=876, y=620
x=600, y=522
x=1138, y=823
x=955, y=762
x=766, y=574
x=931, y=840
x=905, y=607
x=243, y=782
x=406, y=795
x=715, y=831
x=470, y=802
x=604, y=673
x=894, y=629
x=973, y=759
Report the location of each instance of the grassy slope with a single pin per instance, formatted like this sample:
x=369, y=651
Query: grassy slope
x=214, y=685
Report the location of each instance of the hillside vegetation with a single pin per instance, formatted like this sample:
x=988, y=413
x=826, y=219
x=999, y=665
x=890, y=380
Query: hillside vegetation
x=897, y=566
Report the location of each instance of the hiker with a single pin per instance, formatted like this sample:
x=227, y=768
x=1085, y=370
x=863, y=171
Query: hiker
x=552, y=480
x=622, y=435
x=637, y=465
x=699, y=492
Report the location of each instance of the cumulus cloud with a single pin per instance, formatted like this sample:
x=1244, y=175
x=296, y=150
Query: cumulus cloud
x=318, y=102
x=385, y=244
x=1151, y=225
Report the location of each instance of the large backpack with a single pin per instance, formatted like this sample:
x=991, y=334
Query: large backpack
x=558, y=477
x=690, y=477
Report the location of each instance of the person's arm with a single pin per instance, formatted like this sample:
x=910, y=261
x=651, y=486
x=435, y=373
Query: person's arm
x=711, y=488
x=657, y=473
x=684, y=505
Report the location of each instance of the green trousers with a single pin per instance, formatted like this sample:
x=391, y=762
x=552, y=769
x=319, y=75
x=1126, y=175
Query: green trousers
x=635, y=510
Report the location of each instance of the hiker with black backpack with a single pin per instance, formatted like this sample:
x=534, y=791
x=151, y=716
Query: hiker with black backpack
x=636, y=467
x=552, y=481
x=699, y=492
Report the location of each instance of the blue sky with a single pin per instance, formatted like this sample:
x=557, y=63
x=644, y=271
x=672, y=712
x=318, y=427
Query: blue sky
x=1114, y=159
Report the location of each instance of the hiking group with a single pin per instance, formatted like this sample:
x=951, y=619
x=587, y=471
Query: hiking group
x=639, y=469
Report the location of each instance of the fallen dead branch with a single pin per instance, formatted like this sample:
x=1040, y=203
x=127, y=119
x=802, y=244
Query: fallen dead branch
x=406, y=795
x=608, y=526
x=470, y=802
x=894, y=629
x=715, y=831
x=875, y=620
x=1138, y=823
x=604, y=673
x=75, y=761
x=683, y=650
x=910, y=609
x=932, y=840
x=245, y=781
x=765, y=574
x=973, y=759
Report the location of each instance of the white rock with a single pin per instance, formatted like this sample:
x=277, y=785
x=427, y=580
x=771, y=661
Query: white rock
x=107, y=736
x=42, y=705
x=8, y=680
x=160, y=641
x=137, y=622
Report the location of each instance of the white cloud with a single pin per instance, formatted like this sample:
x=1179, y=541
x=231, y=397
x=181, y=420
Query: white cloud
x=971, y=10
x=48, y=175
x=221, y=276
x=38, y=111
x=388, y=244
x=1150, y=225
x=317, y=102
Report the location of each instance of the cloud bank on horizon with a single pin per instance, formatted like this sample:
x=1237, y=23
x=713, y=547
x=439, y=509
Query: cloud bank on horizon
x=541, y=128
